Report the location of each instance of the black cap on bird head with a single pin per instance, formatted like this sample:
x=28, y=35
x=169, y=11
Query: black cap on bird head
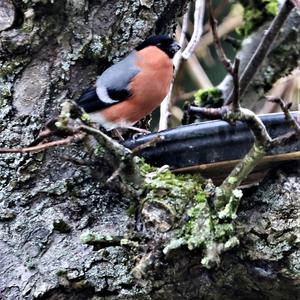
x=163, y=42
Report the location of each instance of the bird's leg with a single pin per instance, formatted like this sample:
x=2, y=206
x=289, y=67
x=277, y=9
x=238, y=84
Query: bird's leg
x=118, y=134
x=119, y=131
x=139, y=130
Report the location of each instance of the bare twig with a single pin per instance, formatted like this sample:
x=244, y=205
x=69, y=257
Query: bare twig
x=231, y=69
x=198, y=29
x=286, y=139
x=257, y=127
x=67, y=141
x=67, y=124
x=165, y=111
x=105, y=140
x=151, y=143
x=262, y=49
x=238, y=174
x=42, y=135
x=262, y=144
x=229, y=24
x=212, y=113
x=183, y=55
x=236, y=85
x=166, y=104
x=288, y=116
x=127, y=169
x=213, y=23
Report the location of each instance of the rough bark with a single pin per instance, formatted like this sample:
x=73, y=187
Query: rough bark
x=266, y=265
x=51, y=50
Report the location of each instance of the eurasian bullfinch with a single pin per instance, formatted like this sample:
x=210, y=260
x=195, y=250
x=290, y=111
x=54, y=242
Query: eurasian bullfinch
x=132, y=88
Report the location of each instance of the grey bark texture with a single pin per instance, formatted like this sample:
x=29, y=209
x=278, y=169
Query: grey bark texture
x=50, y=50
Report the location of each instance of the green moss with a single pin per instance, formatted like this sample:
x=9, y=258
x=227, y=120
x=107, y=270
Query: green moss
x=211, y=97
x=231, y=243
x=129, y=243
x=174, y=192
x=256, y=13
x=197, y=226
x=8, y=70
x=183, y=197
x=206, y=231
x=174, y=244
x=81, y=284
x=27, y=28
x=5, y=92
x=28, y=24
x=85, y=117
x=231, y=207
x=99, y=151
x=232, y=180
x=144, y=167
x=132, y=208
x=197, y=231
x=271, y=7
x=200, y=197
x=252, y=19
x=90, y=238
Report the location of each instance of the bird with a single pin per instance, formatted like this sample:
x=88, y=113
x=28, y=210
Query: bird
x=133, y=87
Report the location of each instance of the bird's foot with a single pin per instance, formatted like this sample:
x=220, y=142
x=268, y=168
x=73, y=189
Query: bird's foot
x=139, y=130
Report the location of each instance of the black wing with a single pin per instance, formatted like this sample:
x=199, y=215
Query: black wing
x=89, y=100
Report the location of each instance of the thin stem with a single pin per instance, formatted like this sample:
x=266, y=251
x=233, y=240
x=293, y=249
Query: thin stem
x=67, y=141
x=231, y=69
x=198, y=29
x=288, y=116
x=166, y=104
x=183, y=55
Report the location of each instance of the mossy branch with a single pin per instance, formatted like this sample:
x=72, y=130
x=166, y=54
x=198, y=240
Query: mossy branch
x=263, y=143
x=238, y=174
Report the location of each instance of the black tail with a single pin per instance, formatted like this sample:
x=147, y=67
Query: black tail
x=89, y=100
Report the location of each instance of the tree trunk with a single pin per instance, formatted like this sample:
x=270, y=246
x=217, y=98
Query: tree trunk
x=51, y=50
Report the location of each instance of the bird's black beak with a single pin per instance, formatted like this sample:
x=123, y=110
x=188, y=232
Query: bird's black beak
x=175, y=47
x=172, y=49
